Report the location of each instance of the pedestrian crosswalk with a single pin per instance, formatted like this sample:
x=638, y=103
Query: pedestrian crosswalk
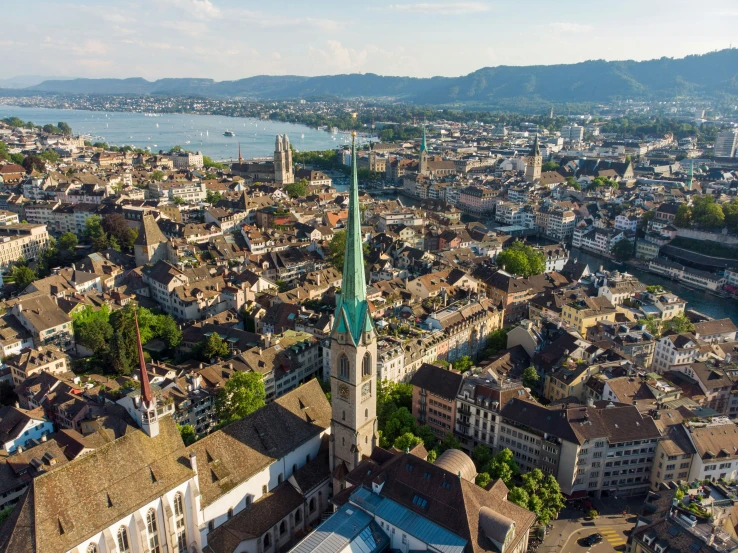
x=612, y=536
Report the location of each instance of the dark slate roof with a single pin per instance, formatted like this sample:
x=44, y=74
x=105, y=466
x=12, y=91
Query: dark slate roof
x=437, y=381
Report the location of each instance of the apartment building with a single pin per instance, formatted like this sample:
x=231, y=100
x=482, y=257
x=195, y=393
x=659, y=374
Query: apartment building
x=674, y=349
x=585, y=312
x=186, y=160
x=716, y=445
x=21, y=241
x=434, y=398
x=30, y=361
x=726, y=143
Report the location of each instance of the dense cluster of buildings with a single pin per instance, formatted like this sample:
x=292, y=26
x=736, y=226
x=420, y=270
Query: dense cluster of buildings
x=622, y=403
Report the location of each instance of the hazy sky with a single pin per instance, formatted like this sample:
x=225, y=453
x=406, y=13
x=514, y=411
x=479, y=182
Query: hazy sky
x=231, y=39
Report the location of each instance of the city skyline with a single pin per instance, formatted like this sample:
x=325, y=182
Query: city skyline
x=225, y=39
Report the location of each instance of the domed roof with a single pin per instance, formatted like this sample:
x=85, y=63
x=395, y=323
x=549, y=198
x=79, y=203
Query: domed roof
x=495, y=525
x=457, y=462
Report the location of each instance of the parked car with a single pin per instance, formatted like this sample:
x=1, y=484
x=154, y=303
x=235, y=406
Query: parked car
x=594, y=539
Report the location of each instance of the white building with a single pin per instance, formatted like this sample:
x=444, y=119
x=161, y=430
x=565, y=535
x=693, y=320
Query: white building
x=726, y=143
x=716, y=443
x=674, y=349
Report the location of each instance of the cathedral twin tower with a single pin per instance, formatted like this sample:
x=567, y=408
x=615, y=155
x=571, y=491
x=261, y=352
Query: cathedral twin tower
x=353, y=356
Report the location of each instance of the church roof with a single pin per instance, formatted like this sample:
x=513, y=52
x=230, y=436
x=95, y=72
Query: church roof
x=149, y=232
x=352, y=310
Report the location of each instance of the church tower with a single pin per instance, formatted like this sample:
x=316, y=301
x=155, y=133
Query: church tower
x=353, y=356
x=284, y=172
x=423, y=161
x=533, y=168
x=690, y=176
x=146, y=407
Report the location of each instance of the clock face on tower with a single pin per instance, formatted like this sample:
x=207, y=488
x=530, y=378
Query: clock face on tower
x=343, y=391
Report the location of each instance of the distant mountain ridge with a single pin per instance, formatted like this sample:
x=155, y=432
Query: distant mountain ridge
x=711, y=74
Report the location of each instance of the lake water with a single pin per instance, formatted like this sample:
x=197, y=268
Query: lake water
x=203, y=133
x=703, y=302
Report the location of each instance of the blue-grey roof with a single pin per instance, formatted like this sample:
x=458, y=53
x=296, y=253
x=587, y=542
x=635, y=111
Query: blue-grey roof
x=348, y=527
x=409, y=522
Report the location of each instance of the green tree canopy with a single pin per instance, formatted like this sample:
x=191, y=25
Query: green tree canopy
x=242, y=394
x=407, y=441
x=67, y=242
x=531, y=378
x=521, y=259
x=188, y=434
x=95, y=234
x=678, y=324
x=622, y=250
x=22, y=275
x=463, y=364
x=211, y=347
x=298, y=189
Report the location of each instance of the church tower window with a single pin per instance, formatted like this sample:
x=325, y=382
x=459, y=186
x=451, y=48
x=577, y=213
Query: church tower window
x=344, y=367
x=367, y=365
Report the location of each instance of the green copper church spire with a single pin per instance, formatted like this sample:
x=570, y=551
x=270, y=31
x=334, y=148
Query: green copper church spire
x=423, y=145
x=690, y=175
x=352, y=308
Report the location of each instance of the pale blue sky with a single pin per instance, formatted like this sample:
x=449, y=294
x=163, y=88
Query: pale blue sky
x=231, y=39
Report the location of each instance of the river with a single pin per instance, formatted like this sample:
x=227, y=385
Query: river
x=703, y=302
x=203, y=133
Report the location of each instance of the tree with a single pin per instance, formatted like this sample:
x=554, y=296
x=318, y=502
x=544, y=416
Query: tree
x=94, y=334
x=519, y=496
x=169, y=331
x=337, y=249
x=653, y=325
x=67, y=242
x=208, y=163
x=521, y=259
x=297, y=189
x=730, y=212
x=645, y=219
x=212, y=347
x=407, y=441
x=213, y=197
x=713, y=217
x=502, y=466
x=449, y=442
x=543, y=493
x=118, y=359
x=117, y=227
x=157, y=175
x=550, y=166
x=531, y=378
x=242, y=394
x=463, y=364
x=178, y=200
x=188, y=434
x=34, y=163
x=50, y=156
x=483, y=479
x=22, y=275
x=571, y=181
x=481, y=455
x=95, y=234
x=622, y=250
x=678, y=324
x=399, y=423
x=64, y=128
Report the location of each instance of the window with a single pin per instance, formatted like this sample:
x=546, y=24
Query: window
x=312, y=505
x=211, y=525
x=344, y=367
x=153, y=532
x=267, y=541
x=282, y=528
x=366, y=368
x=179, y=521
x=123, y=545
x=230, y=513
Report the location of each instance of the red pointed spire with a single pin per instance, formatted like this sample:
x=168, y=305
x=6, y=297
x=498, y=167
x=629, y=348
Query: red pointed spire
x=146, y=396
x=240, y=159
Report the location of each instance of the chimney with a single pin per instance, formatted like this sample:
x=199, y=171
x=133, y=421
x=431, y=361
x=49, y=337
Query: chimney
x=267, y=340
x=193, y=461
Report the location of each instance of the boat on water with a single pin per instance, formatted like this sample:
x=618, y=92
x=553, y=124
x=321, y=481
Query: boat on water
x=229, y=133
